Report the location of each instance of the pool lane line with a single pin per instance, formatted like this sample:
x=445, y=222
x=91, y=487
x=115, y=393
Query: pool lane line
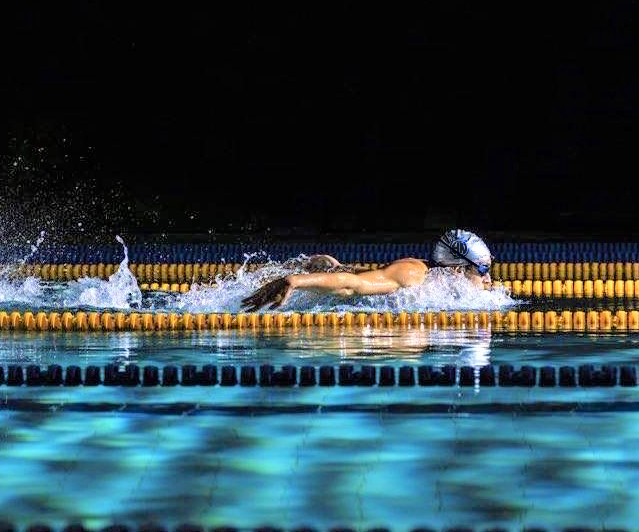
x=174, y=271
x=266, y=375
x=511, y=320
x=621, y=281
x=199, y=408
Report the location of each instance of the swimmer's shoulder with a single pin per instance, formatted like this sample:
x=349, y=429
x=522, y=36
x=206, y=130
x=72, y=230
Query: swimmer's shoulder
x=417, y=263
x=407, y=272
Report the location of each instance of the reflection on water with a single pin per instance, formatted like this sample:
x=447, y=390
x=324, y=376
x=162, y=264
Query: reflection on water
x=361, y=469
x=303, y=345
x=315, y=346
x=238, y=466
x=465, y=347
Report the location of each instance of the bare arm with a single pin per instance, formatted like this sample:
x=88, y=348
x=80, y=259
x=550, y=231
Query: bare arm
x=406, y=272
x=326, y=263
x=344, y=283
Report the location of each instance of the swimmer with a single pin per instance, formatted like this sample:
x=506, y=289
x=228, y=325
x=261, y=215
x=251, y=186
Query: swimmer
x=461, y=250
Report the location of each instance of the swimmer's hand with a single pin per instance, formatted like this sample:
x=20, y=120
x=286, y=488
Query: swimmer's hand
x=322, y=263
x=326, y=263
x=275, y=293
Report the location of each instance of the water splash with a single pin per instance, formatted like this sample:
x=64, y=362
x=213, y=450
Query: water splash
x=120, y=291
x=34, y=247
x=18, y=293
x=9, y=269
x=443, y=289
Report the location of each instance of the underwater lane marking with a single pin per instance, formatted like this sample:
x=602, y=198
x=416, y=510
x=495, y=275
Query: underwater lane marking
x=183, y=408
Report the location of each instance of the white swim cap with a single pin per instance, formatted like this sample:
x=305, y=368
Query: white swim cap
x=461, y=248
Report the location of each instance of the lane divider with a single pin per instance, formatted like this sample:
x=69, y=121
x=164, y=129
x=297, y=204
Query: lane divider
x=563, y=271
x=349, y=251
x=266, y=375
x=181, y=288
x=514, y=320
x=144, y=273
x=536, y=271
x=429, y=408
x=557, y=289
x=207, y=272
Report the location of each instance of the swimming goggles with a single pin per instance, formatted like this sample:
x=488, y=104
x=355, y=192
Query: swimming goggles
x=482, y=269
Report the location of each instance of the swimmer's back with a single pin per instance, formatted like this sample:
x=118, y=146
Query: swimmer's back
x=406, y=272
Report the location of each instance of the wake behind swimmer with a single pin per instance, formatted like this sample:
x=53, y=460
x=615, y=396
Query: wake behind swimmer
x=119, y=292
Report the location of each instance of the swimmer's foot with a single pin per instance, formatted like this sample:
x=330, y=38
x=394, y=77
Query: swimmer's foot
x=275, y=293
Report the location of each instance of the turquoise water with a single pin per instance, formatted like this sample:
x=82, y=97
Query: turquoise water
x=360, y=457
x=314, y=346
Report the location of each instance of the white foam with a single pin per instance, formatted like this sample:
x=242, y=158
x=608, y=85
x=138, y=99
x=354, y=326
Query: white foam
x=229, y=292
x=25, y=291
x=443, y=289
x=120, y=291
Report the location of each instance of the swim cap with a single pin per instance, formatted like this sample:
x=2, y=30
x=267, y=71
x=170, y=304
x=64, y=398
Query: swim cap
x=461, y=248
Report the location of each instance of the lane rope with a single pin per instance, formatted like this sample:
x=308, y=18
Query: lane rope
x=266, y=375
x=598, y=289
x=207, y=272
x=514, y=320
x=261, y=409
x=348, y=252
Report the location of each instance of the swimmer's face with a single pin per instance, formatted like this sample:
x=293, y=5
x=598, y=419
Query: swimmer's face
x=475, y=277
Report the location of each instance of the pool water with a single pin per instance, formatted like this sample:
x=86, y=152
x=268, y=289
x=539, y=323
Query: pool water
x=323, y=457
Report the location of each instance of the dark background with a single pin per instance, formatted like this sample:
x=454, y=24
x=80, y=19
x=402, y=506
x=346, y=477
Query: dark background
x=345, y=118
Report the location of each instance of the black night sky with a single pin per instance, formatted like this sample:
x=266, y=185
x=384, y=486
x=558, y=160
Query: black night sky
x=337, y=118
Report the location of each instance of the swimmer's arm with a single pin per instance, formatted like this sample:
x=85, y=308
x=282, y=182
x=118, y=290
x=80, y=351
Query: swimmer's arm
x=374, y=282
x=344, y=283
x=277, y=292
x=326, y=263
x=403, y=273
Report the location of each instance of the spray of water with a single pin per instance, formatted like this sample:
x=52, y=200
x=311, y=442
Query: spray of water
x=120, y=291
x=34, y=248
x=443, y=289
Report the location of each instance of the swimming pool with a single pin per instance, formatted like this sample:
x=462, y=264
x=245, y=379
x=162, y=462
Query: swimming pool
x=246, y=453
x=319, y=456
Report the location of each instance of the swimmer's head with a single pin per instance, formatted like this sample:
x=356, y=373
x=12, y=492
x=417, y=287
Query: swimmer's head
x=462, y=248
